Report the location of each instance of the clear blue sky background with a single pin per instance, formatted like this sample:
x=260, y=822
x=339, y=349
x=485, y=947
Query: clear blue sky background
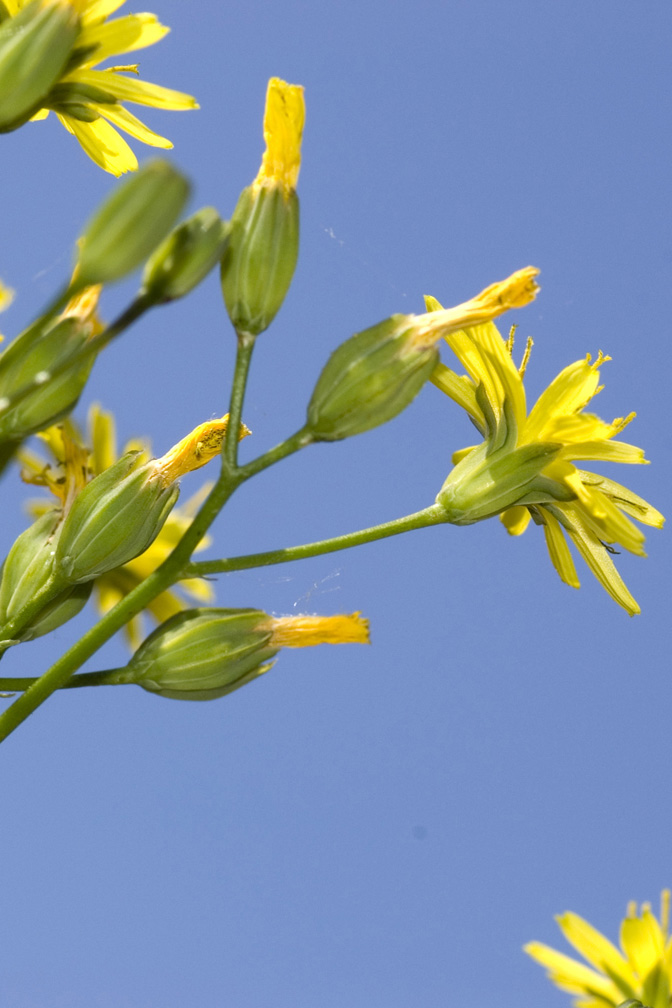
x=376, y=827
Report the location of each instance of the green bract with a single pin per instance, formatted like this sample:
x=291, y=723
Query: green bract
x=186, y=256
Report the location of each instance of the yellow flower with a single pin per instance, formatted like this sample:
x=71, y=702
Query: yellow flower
x=76, y=466
x=524, y=468
x=642, y=970
x=90, y=102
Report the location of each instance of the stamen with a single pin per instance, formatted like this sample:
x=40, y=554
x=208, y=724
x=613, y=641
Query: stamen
x=526, y=357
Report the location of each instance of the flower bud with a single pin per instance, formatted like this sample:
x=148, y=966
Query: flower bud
x=35, y=45
x=28, y=570
x=34, y=356
x=202, y=654
x=131, y=222
x=259, y=263
x=186, y=256
x=369, y=379
x=119, y=513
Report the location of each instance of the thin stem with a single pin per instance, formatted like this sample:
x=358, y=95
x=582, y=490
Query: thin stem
x=433, y=515
x=246, y=343
x=108, y=677
x=281, y=451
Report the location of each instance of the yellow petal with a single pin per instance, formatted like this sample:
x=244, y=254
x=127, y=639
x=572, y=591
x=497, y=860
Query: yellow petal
x=121, y=117
x=97, y=10
x=460, y=390
x=103, y=144
x=568, y=393
x=133, y=90
x=515, y=520
x=558, y=550
x=593, y=946
x=571, y=975
x=307, y=631
x=642, y=942
x=124, y=34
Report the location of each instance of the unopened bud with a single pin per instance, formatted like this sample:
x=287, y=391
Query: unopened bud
x=370, y=379
x=131, y=222
x=202, y=654
x=186, y=256
x=28, y=570
x=259, y=263
x=35, y=45
x=35, y=356
x=119, y=513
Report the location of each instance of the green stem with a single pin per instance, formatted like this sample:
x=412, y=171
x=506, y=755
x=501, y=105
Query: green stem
x=246, y=343
x=433, y=515
x=109, y=677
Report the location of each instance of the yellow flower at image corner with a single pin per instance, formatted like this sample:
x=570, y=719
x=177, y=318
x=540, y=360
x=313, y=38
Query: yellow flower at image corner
x=75, y=466
x=640, y=969
x=90, y=101
x=524, y=469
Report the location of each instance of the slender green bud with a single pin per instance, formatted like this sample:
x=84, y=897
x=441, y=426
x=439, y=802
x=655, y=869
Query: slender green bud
x=32, y=358
x=370, y=379
x=28, y=570
x=259, y=263
x=35, y=45
x=131, y=222
x=202, y=654
x=186, y=256
x=114, y=518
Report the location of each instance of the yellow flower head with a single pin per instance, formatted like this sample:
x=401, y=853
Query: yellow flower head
x=89, y=101
x=284, y=117
x=76, y=466
x=525, y=468
x=641, y=969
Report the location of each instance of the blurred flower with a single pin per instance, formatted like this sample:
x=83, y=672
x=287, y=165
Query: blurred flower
x=642, y=970
x=74, y=468
x=524, y=468
x=89, y=101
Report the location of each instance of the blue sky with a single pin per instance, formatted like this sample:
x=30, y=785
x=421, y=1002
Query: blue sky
x=373, y=827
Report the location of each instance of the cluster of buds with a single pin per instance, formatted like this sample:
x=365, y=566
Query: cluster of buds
x=101, y=525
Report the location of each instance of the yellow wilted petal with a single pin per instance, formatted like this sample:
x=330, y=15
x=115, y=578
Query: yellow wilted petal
x=307, y=631
x=196, y=449
x=284, y=118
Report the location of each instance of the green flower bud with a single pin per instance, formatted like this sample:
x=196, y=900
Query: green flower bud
x=32, y=358
x=28, y=569
x=370, y=378
x=202, y=654
x=114, y=518
x=259, y=263
x=118, y=514
x=131, y=222
x=35, y=45
x=186, y=256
